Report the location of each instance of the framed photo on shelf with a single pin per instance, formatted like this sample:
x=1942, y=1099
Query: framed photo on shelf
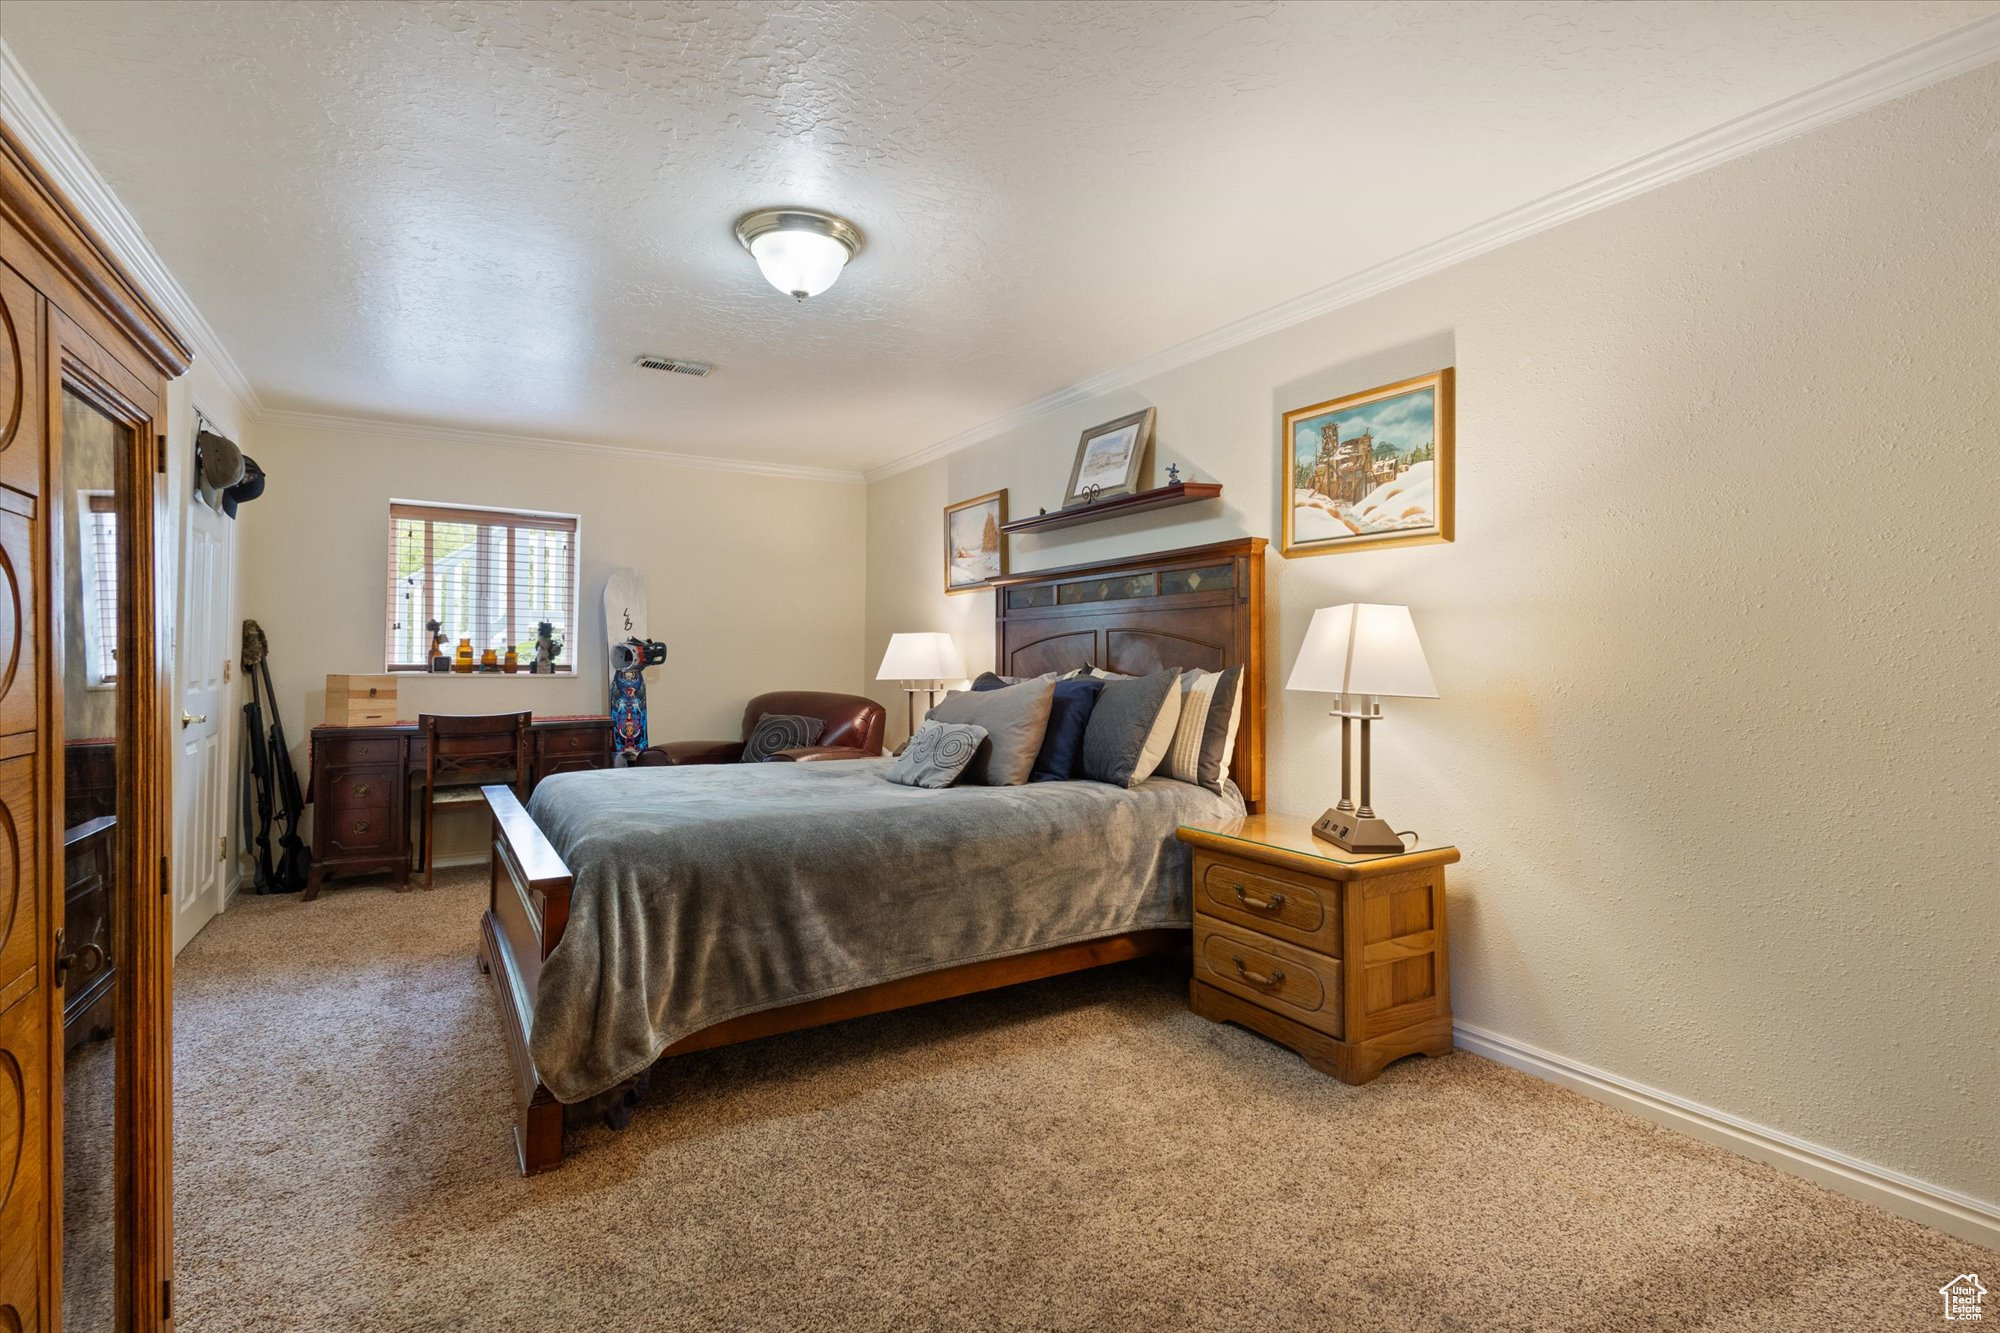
x=1109, y=458
x=975, y=550
x=1369, y=470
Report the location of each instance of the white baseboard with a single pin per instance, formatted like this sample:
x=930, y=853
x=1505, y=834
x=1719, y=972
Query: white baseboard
x=1949, y=1211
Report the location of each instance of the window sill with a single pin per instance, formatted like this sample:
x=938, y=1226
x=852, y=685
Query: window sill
x=479, y=675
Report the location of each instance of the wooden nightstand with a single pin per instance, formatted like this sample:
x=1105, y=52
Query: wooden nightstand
x=1337, y=955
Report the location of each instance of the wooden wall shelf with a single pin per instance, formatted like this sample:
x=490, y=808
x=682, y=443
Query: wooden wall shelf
x=1160, y=497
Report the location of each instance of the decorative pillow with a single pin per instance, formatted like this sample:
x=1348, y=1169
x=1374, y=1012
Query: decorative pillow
x=1205, y=736
x=1015, y=717
x=1092, y=673
x=780, y=731
x=1069, y=716
x=937, y=754
x=1130, y=729
x=988, y=680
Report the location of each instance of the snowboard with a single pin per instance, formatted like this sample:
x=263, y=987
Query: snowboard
x=630, y=650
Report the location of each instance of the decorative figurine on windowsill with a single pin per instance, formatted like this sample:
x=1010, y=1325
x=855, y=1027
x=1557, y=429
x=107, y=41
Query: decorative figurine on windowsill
x=1173, y=474
x=546, y=650
x=440, y=659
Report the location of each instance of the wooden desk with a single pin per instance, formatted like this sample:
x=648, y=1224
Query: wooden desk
x=1340, y=956
x=360, y=787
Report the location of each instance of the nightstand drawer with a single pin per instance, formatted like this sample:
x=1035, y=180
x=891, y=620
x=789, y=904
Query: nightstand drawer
x=1269, y=900
x=1295, y=982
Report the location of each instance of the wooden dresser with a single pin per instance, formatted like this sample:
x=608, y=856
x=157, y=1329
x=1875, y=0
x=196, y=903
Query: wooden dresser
x=1339, y=956
x=360, y=790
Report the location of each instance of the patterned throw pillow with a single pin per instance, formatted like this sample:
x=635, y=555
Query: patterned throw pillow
x=937, y=754
x=1205, y=737
x=780, y=731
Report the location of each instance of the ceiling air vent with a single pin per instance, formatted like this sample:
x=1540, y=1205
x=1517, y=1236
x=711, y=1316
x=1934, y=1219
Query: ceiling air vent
x=679, y=365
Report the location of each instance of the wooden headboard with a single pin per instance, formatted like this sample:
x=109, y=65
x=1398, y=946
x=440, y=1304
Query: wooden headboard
x=1198, y=607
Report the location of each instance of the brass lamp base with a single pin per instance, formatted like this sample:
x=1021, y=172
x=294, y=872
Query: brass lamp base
x=1354, y=832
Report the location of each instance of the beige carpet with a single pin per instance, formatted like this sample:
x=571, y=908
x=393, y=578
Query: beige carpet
x=1080, y=1153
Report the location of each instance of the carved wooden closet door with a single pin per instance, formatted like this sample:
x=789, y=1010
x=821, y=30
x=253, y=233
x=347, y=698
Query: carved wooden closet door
x=26, y=1005
x=74, y=329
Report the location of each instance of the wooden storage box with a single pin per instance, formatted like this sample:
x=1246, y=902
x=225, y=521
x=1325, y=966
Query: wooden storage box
x=360, y=701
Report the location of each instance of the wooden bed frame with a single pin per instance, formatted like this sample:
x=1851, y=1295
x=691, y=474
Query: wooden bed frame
x=1198, y=607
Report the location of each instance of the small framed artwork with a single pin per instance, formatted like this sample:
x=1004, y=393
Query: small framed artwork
x=1108, y=459
x=1369, y=470
x=975, y=550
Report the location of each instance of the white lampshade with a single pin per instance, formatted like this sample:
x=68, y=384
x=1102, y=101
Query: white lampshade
x=927, y=656
x=1362, y=648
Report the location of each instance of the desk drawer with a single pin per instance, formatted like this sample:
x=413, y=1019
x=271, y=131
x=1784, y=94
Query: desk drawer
x=1295, y=982
x=361, y=833
x=347, y=751
x=353, y=789
x=1270, y=900
x=571, y=741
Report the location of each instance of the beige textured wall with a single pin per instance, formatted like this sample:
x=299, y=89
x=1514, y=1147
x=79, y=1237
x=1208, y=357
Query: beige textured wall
x=754, y=583
x=1716, y=642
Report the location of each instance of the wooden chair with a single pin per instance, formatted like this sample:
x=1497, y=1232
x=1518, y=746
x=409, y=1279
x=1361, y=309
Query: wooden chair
x=467, y=751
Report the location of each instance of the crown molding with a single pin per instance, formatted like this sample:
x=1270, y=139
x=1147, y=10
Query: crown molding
x=38, y=127
x=1955, y=52
x=348, y=425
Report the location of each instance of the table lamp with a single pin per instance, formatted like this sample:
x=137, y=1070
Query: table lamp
x=928, y=657
x=1360, y=652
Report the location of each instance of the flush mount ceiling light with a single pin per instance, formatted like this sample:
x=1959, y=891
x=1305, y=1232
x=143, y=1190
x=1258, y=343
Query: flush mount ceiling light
x=800, y=251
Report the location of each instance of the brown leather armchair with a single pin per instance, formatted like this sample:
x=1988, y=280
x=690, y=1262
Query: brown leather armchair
x=853, y=730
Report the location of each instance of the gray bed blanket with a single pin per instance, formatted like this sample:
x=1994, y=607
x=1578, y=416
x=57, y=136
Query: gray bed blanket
x=706, y=892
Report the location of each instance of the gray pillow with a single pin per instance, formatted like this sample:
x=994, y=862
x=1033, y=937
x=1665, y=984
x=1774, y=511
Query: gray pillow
x=1015, y=718
x=993, y=680
x=937, y=754
x=1131, y=728
x=781, y=731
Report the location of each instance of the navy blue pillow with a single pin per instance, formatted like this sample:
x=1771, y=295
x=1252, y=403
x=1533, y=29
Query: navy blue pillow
x=1062, y=743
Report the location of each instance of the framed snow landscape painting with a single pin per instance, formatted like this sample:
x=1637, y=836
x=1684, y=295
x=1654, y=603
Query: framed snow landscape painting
x=1371, y=469
x=974, y=549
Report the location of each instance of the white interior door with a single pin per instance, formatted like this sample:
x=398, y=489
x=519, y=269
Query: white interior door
x=202, y=763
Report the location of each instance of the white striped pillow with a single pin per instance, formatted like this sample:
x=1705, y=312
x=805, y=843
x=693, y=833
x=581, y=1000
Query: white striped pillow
x=1205, y=740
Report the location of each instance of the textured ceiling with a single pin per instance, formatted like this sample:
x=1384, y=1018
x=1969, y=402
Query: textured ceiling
x=477, y=214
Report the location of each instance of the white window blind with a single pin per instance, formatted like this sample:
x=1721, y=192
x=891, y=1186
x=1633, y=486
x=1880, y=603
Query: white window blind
x=487, y=575
x=100, y=571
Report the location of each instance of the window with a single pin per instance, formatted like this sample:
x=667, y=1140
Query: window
x=486, y=575
x=97, y=552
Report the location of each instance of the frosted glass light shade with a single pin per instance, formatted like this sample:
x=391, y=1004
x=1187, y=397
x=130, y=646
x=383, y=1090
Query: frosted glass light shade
x=800, y=251
x=927, y=656
x=1363, y=648
x=799, y=263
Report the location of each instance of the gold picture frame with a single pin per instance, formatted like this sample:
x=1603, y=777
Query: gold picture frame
x=1370, y=469
x=1109, y=459
x=975, y=546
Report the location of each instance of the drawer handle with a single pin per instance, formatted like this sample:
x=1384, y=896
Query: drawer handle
x=360, y=826
x=360, y=789
x=1270, y=904
x=1276, y=977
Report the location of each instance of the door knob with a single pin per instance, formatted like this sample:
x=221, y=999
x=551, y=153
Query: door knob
x=189, y=719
